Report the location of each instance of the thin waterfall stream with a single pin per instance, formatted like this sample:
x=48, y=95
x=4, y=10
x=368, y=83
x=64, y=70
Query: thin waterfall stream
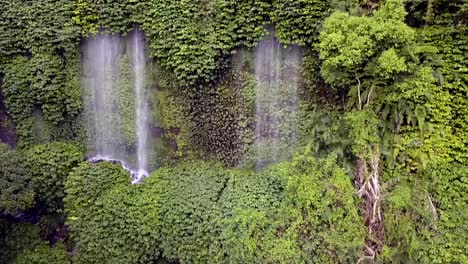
x=139, y=69
x=114, y=84
x=277, y=73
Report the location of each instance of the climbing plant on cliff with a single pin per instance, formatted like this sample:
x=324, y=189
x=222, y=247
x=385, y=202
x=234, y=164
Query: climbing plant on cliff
x=451, y=67
x=29, y=25
x=299, y=21
x=114, y=16
x=191, y=37
x=38, y=48
x=126, y=102
x=425, y=221
x=40, y=83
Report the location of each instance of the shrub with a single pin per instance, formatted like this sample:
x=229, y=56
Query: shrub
x=50, y=165
x=107, y=215
x=248, y=203
x=180, y=212
x=319, y=214
x=43, y=254
x=16, y=189
x=88, y=182
x=113, y=230
x=199, y=212
x=190, y=215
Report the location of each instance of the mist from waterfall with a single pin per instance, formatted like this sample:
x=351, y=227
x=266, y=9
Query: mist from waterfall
x=277, y=72
x=115, y=107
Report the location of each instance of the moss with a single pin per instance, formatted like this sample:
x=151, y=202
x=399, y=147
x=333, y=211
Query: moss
x=170, y=115
x=126, y=102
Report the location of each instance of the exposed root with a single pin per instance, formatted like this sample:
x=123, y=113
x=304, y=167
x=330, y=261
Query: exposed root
x=367, y=183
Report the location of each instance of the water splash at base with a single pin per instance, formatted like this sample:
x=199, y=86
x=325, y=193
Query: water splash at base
x=136, y=175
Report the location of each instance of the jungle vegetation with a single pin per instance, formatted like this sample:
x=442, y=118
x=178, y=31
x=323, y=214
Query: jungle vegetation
x=380, y=174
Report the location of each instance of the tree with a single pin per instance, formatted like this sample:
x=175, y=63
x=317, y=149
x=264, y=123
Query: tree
x=365, y=53
x=372, y=56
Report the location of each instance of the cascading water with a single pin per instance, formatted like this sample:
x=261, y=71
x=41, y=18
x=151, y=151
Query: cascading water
x=277, y=72
x=114, y=85
x=137, y=47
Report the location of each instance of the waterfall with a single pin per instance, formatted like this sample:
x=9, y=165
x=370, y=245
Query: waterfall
x=115, y=107
x=277, y=72
x=100, y=78
x=139, y=68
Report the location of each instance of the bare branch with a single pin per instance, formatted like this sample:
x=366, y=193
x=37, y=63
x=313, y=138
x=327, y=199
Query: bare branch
x=433, y=209
x=359, y=90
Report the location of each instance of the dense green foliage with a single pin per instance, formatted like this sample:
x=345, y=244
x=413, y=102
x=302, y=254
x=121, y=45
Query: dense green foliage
x=366, y=53
x=189, y=210
x=327, y=131
x=171, y=113
x=36, y=174
x=105, y=221
x=88, y=181
x=426, y=217
x=201, y=212
x=15, y=239
x=318, y=220
x=38, y=58
x=383, y=68
x=127, y=102
x=29, y=26
x=449, y=183
x=115, y=16
x=452, y=67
